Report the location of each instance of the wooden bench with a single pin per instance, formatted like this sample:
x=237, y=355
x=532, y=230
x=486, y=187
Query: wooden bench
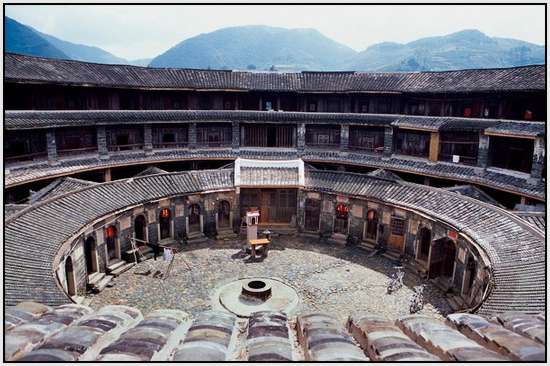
x=261, y=243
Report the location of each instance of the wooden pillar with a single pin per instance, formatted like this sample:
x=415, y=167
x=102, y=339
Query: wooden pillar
x=434, y=146
x=148, y=139
x=51, y=146
x=261, y=104
x=278, y=103
x=107, y=175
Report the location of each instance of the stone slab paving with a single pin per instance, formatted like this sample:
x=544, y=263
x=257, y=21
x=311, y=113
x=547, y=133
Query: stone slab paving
x=329, y=278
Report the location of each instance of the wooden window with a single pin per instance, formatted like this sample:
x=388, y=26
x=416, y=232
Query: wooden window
x=75, y=140
x=123, y=138
x=323, y=136
x=214, y=135
x=166, y=136
x=414, y=143
x=397, y=226
x=24, y=145
x=269, y=136
x=511, y=153
x=462, y=144
x=366, y=138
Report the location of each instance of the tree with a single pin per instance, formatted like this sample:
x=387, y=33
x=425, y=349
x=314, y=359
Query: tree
x=272, y=68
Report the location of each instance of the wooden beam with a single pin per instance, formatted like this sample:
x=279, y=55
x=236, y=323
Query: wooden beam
x=434, y=146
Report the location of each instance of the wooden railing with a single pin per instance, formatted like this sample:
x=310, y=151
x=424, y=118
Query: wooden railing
x=125, y=147
x=31, y=156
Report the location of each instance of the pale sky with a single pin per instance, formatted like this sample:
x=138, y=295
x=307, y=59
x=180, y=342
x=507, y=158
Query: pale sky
x=143, y=31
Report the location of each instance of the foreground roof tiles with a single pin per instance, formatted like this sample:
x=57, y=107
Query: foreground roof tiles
x=33, y=69
x=122, y=333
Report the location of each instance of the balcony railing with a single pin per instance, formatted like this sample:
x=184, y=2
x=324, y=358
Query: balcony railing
x=26, y=157
x=83, y=150
x=125, y=147
x=170, y=145
x=468, y=160
x=379, y=149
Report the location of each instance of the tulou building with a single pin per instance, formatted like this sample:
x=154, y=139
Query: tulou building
x=442, y=174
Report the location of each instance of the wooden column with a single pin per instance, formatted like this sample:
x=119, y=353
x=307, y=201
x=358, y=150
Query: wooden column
x=51, y=147
x=434, y=146
x=107, y=175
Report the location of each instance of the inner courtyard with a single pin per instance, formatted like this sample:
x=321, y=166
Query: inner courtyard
x=331, y=279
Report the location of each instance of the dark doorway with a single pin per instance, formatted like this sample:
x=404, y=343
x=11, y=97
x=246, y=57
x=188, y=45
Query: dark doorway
x=442, y=258
x=341, y=219
x=164, y=222
x=271, y=137
x=276, y=205
x=90, y=253
x=313, y=213
x=139, y=230
x=69, y=275
x=111, y=235
x=224, y=210
x=194, y=218
x=372, y=225
x=425, y=238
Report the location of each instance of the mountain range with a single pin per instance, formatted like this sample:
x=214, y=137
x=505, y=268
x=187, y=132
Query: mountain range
x=273, y=48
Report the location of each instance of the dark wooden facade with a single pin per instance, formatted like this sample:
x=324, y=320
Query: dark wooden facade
x=507, y=105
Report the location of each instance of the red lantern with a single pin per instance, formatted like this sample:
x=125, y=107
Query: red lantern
x=111, y=232
x=528, y=115
x=467, y=112
x=165, y=213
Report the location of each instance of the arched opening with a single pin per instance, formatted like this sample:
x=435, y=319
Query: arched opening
x=425, y=239
x=140, y=228
x=312, y=213
x=165, y=223
x=194, y=218
x=69, y=276
x=112, y=243
x=224, y=210
x=90, y=254
x=341, y=219
x=470, y=275
x=442, y=258
x=372, y=225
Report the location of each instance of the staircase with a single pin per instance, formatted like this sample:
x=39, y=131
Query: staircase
x=455, y=302
x=392, y=255
x=367, y=245
x=339, y=239
x=131, y=255
x=226, y=234
x=119, y=267
x=196, y=238
x=97, y=281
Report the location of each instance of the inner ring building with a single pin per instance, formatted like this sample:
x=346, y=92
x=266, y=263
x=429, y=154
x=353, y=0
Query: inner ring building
x=442, y=173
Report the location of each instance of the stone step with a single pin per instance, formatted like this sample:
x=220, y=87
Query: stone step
x=77, y=299
x=455, y=302
x=102, y=284
x=310, y=235
x=95, y=278
x=392, y=255
x=115, y=265
x=195, y=234
x=367, y=245
x=121, y=269
x=197, y=240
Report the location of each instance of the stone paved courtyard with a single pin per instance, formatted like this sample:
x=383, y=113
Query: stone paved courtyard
x=329, y=278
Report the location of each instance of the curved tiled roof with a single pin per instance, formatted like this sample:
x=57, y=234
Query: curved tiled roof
x=516, y=251
x=121, y=333
x=17, y=120
x=499, y=179
x=21, y=68
x=39, y=231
